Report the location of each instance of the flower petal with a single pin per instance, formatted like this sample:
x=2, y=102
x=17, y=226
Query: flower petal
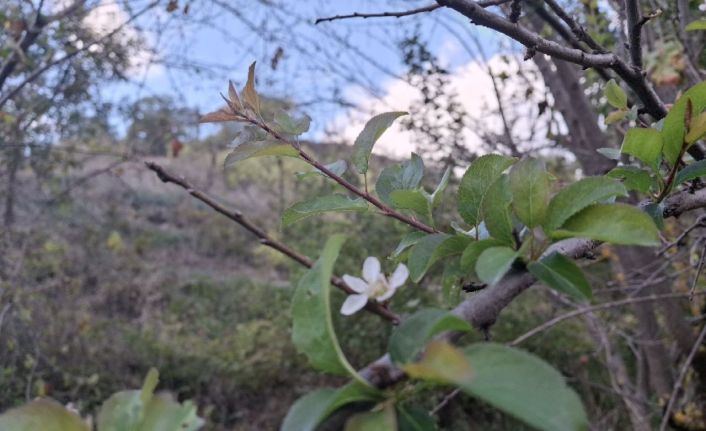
x=355, y=283
x=353, y=303
x=399, y=276
x=371, y=269
x=387, y=295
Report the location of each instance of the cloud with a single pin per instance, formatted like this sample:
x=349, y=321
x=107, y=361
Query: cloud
x=475, y=91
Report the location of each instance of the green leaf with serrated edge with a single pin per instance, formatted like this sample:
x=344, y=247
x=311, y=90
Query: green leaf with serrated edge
x=656, y=213
x=430, y=249
x=699, y=24
x=414, y=418
x=407, y=241
x=473, y=251
x=124, y=410
x=494, y=263
x=634, y=178
x=562, y=274
x=610, y=153
x=579, y=195
x=290, y=125
x=337, y=168
x=41, y=414
x=645, y=145
x=311, y=409
x=612, y=223
x=411, y=200
x=378, y=419
x=404, y=176
x=372, y=131
x=525, y=387
x=495, y=208
x=475, y=184
x=250, y=96
x=673, y=128
x=529, y=184
x=409, y=339
x=439, y=191
x=312, y=331
x=320, y=205
x=615, y=95
x=249, y=150
x=691, y=172
x=441, y=363
x=697, y=129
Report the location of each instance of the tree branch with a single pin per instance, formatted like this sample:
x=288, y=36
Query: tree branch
x=635, y=23
x=263, y=236
x=483, y=308
x=424, y=9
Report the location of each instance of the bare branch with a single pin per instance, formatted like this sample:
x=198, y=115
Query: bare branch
x=680, y=379
x=423, y=9
x=263, y=236
x=635, y=23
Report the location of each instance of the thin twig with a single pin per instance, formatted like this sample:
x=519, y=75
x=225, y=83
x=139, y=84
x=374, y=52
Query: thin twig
x=680, y=379
x=583, y=310
x=699, y=268
x=700, y=222
x=423, y=9
x=263, y=236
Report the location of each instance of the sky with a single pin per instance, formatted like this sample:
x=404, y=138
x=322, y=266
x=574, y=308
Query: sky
x=192, y=56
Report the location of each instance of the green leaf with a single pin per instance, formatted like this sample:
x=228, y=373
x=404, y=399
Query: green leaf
x=634, y=178
x=383, y=419
x=41, y=414
x=612, y=223
x=525, y=387
x=245, y=149
x=338, y=168
x=579, y=195
x=430, y=249
x=673, y=129
x=322, y=204
x=413, y=200
x=495, y=208
x=439, y=191
x=644, y=144
x=311, y=409
x=474, y=250
x=610, y=153
x=441, y=363
x=691, y=172
x=409, y=339
x=656, y=213
x=165, y=414
x=616, y=116
x=404, y=176
x=494, y=263
x=372, y=131
x=529, y=183
x=413, y=418
x=409, y=240
x=250, y=96
x=697, y=129
x=699, y=24
x=141, y=410
x=562, y=274
x=482, y=173
x=451, y=282
x=312, y=331
x=615, y=95
x=291, y=126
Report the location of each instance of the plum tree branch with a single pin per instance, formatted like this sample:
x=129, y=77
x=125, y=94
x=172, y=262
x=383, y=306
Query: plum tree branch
x=483, y=308
x=533, y=41
x=423, y=9
x=264, y=237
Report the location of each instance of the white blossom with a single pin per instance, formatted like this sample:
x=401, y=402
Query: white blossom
x=373, y=285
